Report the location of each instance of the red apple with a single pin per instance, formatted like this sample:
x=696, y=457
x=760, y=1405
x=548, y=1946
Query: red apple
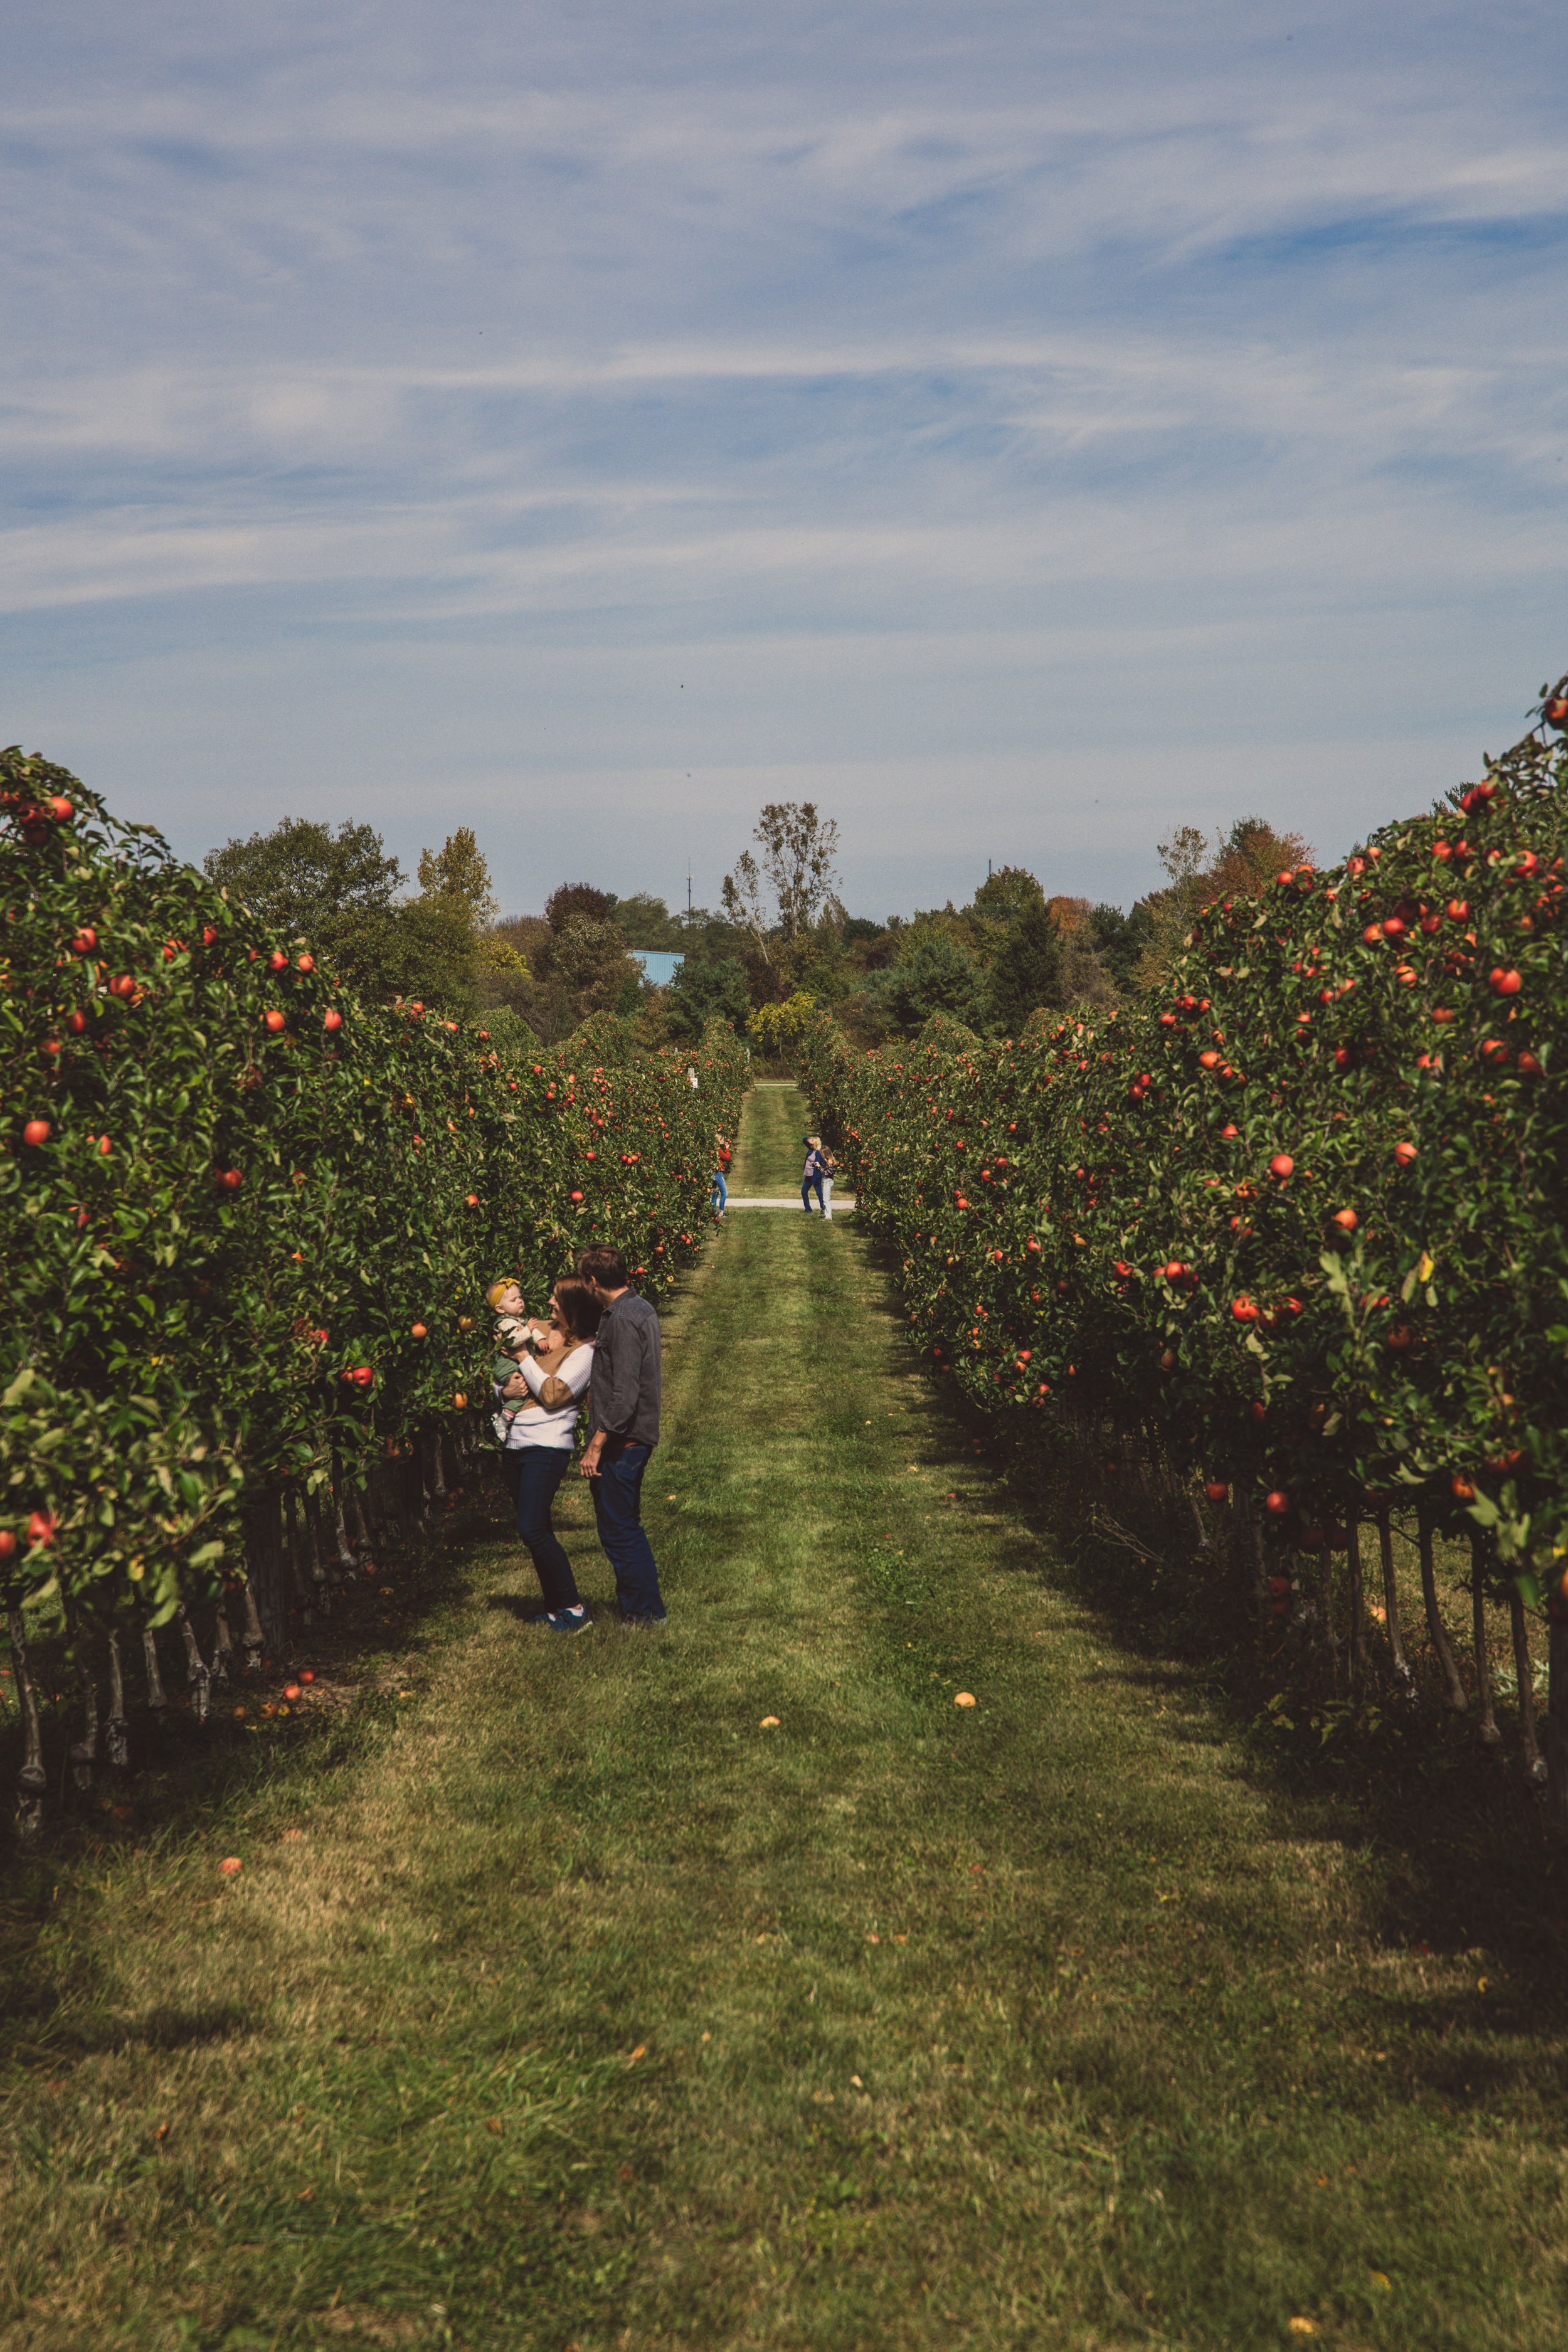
x=1346, y=1220
x=1281, y=1165
x=1217, y=1490
x=1506, y=983
x=416, y=1331
x=1405, y=1153
x=37, y=1131
x=278, y=960
x=75, y=1023
x=1244, y=1309
x=1277, y=1504
x=274, y=1021
x=331, y=1022
x=306, y=963
x=41, y=1529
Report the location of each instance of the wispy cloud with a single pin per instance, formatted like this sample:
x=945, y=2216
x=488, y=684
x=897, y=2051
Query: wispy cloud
x=654, y=408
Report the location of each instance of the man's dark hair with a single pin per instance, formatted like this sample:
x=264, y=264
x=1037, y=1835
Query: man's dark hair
x=603, y=1265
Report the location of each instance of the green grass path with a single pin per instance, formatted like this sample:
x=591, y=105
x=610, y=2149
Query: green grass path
x=570, y=2005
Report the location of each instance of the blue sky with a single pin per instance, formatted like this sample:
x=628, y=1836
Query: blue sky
x=1021, y=429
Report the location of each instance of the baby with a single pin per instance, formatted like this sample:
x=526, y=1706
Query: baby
x=516, y=1332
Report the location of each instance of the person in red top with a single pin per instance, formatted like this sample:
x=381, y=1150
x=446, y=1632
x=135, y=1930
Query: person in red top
x=720, y=1187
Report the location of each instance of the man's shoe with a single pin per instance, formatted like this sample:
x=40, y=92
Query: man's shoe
x=566, y=1621
x=641, y=1624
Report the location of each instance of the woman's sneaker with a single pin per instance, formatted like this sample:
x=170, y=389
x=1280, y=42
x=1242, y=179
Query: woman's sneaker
x=567, y=1621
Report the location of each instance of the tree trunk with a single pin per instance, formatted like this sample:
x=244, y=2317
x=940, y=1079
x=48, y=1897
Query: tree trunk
x=316, y=1556
x=267, y=1572
x=1525, y=1670
x=343, y=1505
x=157, y=1697
x=254, y=1638
x=1487, y=1731
x=84, y=1751
x=223, y=1647
x=1249, y=1553
x=1326, y=1600
x=1435, y=1625
x=1361, y=1656
x=196, y=1674
x=438, y=1487
x=32, y=1782
x=1557, y=1728
x=291, y=1521
x=1391, y=1600
x=118, y=1731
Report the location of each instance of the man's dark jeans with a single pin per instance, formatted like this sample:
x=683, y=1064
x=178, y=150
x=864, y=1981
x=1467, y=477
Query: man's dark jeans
x=532, y=1474
x=618, y=1507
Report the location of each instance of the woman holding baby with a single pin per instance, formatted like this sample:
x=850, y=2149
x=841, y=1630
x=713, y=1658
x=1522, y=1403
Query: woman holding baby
x=539, y=1384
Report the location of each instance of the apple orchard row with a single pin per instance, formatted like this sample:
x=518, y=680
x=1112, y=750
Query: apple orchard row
x=1299, y=1212
x=250, y=1221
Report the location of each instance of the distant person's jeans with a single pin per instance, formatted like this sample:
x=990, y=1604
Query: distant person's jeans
x=811, y=1184
x=617, y=1508
x=720, y=1191
x=532, y=1474
x=825, y=1194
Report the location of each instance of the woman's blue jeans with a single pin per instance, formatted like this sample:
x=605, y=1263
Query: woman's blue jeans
x=532, y=1474
x=720, y=1191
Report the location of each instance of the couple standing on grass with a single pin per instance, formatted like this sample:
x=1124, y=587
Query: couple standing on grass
x=601, y=1346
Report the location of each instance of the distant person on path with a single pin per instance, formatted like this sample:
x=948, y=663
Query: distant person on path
x=720, y=1188
x=541, y=1400
x=623, y=1417
x=811, y=1174
x=824, y=1184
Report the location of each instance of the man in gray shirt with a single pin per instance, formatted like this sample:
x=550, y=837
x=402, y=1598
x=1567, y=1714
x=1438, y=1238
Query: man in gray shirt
x=622, y=1413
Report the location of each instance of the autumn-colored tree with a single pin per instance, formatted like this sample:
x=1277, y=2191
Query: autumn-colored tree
x=1242, y=865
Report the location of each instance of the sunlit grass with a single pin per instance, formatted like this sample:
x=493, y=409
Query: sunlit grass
x=585, y=2009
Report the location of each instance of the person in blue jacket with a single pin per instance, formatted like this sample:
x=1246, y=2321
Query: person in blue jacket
x=811, y=1175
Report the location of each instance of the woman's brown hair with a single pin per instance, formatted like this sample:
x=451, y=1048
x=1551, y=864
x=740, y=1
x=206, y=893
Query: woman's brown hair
x=578, y=1307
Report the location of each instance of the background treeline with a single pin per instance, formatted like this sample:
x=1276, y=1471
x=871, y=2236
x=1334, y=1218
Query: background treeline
x=780, y=936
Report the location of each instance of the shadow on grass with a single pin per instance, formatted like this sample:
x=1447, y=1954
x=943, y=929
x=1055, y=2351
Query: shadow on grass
x=1458, y=1834
x=186, y=1776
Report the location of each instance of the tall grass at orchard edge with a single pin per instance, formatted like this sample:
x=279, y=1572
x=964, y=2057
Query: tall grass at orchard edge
x=563, y=2001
